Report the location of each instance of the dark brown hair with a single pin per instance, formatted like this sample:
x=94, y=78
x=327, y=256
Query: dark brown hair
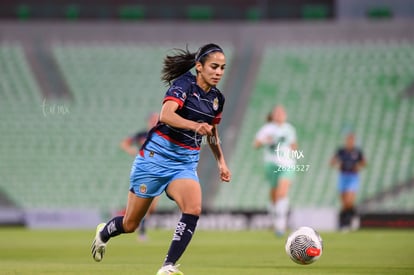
x=181, y=61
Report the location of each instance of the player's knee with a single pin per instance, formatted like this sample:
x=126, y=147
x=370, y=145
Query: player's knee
x=194, y=210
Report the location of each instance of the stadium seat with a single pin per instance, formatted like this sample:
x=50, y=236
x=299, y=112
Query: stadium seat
x=23, y=12
x=72, y=12
x=135, y=12
x=199, y=12
x=380, y=12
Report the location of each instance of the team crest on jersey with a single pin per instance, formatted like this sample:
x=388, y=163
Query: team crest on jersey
x=183, y=96
x=143, y=188
x=215, y=104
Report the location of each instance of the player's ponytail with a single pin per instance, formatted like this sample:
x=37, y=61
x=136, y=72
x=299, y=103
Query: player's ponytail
x=181, y=61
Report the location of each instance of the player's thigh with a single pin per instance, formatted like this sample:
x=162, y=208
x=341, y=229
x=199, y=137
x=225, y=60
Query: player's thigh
x=348, y=198
x=136, y=209
x=186, y=193
x=153, y=205
x=271, y=174
x=284, y=181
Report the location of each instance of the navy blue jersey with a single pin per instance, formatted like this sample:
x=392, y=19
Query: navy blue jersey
x=194, y=104
x=349, y=159
x=139, y=138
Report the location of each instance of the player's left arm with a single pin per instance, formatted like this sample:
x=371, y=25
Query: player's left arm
x=214, y=143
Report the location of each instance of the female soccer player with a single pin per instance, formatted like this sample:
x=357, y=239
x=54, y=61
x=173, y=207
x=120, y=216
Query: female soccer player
x=278, y=138
x=168, y=159
x=349, y=159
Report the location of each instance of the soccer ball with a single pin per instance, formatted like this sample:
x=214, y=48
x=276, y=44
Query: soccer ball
x=304, y=245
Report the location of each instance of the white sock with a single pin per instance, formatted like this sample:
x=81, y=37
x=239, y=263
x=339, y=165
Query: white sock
x=281, y=209
x=272, y=214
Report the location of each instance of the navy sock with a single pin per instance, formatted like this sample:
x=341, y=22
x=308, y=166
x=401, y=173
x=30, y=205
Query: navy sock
x=342, y=219
x=349, y=214
x=182, y=237
x=112, y=228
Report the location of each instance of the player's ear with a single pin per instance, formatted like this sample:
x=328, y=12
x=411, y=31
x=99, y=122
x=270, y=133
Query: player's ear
x=198, y=66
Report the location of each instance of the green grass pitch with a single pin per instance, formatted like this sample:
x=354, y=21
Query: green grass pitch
x=25, y=251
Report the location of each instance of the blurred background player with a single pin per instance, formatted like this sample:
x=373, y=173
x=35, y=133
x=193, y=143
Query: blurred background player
x=349, y=159
x=278, y=138
x=131, y=145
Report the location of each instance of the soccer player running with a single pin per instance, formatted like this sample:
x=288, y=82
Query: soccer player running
x=131, y=146
x=278, y=138
x=168, y=159
x=349, y=159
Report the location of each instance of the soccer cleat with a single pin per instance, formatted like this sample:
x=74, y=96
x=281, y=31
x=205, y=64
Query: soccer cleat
x=169, y=270
x=98, y=246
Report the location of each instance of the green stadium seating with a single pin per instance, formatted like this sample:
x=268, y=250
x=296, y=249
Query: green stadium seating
x=327, y=89
x=135, y=12
x=403, y=202
x=23, y=12
x=254, y=14
x=72, y=12
x=65, y=153
x=312, y=11
x=379, y=12
x=199, y=12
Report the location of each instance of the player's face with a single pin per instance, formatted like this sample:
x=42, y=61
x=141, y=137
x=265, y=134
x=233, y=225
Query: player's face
x=279, y=114
x=212, y=71
x=350, y=141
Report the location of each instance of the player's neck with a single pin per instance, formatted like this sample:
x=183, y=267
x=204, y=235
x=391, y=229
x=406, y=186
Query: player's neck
x=203, y=85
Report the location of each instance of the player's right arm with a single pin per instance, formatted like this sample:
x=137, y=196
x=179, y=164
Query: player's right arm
x=169, y=116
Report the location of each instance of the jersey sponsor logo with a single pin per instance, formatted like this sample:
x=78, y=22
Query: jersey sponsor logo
x=179, y=231
x=180, y=95
x=196, y=95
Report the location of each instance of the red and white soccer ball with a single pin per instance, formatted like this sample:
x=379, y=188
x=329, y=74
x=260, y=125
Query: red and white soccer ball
x=304, y=245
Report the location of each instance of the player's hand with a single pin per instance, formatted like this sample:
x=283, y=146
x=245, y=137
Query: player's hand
x=225, y=174
x=204, y=128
